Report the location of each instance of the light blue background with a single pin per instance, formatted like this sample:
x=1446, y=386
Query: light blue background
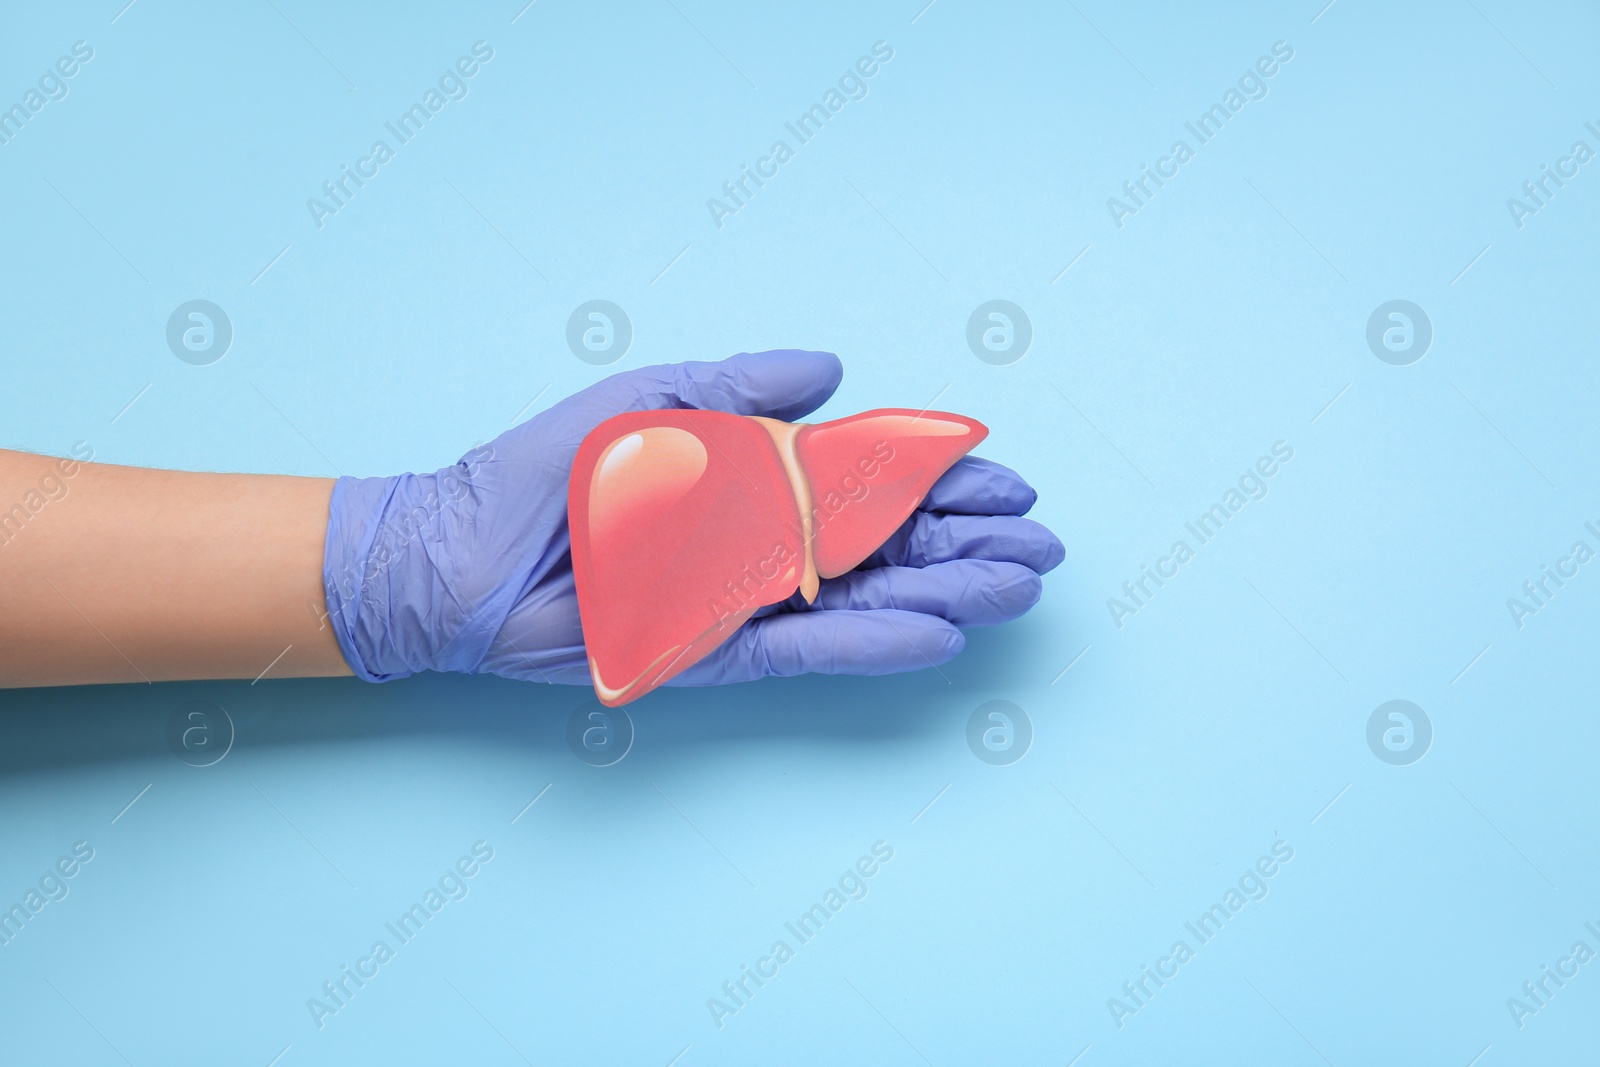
x=1223, y=717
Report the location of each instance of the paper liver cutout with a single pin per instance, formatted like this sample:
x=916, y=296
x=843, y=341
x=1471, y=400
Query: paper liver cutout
x=685, y=522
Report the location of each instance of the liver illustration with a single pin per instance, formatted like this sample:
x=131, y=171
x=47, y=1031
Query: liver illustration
x=685, y=523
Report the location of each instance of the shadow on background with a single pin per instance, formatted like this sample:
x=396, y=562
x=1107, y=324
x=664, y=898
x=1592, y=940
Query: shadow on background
x=53, y=728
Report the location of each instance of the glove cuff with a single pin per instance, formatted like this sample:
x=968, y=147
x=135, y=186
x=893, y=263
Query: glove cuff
x=349, y=569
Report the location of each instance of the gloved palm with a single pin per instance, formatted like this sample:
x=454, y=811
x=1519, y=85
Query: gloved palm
x=469, y=568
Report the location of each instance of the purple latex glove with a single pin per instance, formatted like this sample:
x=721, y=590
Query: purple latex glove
x=469, y=568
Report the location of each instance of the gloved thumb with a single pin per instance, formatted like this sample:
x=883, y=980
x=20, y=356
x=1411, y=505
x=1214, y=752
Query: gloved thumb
x=782, y=384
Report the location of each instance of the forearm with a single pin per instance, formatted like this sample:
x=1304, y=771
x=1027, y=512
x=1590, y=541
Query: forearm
x=125, y=574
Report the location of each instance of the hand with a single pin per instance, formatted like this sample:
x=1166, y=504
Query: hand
x=469, y=568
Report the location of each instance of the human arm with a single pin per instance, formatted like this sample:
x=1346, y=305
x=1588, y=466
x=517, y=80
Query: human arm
x=130, y=574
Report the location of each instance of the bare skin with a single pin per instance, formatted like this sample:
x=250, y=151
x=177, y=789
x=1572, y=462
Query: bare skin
x=126, y=574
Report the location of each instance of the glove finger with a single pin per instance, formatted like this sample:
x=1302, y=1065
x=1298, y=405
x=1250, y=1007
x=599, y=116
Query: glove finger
x=828, y=642
x=928, y=538
x=975, y=486
x=966, y=592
